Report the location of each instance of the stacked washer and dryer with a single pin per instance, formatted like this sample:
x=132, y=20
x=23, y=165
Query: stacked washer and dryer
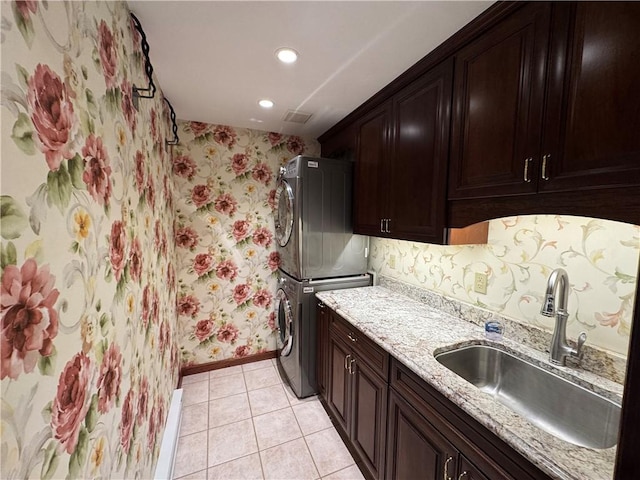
x=318, y=252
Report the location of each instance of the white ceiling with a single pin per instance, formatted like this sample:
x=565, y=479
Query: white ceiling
x=214, y=60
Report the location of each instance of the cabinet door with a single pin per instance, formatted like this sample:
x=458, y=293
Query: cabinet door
x=497, y=116
x=415, y=449
x=370, y=172
x=338, y=388
x=322, y=347
x=593, y=107
x=418, y=173
x=368, y=421
x=468, y=471
x=341, y=145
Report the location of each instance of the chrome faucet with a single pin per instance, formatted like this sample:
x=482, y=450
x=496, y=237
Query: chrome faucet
x=560, y=350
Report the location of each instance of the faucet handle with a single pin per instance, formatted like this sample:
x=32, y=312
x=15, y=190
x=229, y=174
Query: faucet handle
x=581, y=339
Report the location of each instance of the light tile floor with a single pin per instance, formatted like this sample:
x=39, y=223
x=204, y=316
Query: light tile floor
x=243, y=422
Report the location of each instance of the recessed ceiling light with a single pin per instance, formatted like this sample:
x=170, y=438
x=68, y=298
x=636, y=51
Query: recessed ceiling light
x=286, y=55
x=265, y=103
x=256, y=120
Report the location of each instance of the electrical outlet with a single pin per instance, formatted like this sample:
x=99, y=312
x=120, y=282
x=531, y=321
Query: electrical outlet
x=392, y=261
x=480, y=283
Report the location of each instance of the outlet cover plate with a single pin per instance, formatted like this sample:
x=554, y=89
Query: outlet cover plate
x=480, y=283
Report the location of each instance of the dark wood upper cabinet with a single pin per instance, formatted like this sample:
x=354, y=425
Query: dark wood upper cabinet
x=401, y=165
x=498, y=100
x=592, y=118
x=371, y=170
x=418, y=176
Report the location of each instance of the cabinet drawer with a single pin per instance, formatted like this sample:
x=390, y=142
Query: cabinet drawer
x=490, y=454
x=367, y=350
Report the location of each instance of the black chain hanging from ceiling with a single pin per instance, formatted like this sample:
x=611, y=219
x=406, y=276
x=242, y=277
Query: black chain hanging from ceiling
x=175, y=127
x=150, y=91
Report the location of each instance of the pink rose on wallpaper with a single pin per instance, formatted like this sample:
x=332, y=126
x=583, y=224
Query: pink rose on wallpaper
x=109, y=379
x=262, y=298
x=271, y=199
x=242, y=351
x=295, y=145
x=117, y=241
x=157, y=234
x=29, y=321
x=143, y=401
x=240, y=230
x=97, y=170
x=151, y=192
x=153, y=426
x=225, y=203
x=135, y=34
x=146, y=306
x=188, y=305
x=108, y=55
x=227, y=333
x=200, y=195
x=262, y=173
x=155, y=129
x=227, y=270
x=159, y=416
x=155, y=307
x=184, y=166
x=241, y=293
x=70, y=404
x=272, y=321
x=274, y=261
x=274, y=138
x=168, y=193
x=262, y=236
x=164, y=336
x=140, y=171
x=239, y=163
x=204, y=329
x=186, y=237
x=202, y=263
x=224, y=135
x=198, y=128
x=126, y=421
x=52, y=115
x=26, y=7
x=135, y=260
x=128, y=110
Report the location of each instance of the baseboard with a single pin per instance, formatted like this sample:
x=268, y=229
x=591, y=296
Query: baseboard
x=166, y=459
x=229, y=362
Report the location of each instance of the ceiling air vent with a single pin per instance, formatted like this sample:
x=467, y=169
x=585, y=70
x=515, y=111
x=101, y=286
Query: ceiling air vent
x=296, y=116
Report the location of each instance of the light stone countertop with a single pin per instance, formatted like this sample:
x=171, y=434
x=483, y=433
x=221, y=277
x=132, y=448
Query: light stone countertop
x=412, y=331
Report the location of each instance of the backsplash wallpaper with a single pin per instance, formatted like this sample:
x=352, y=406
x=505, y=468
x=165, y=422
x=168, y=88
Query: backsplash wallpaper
x=89, y=354
x=227, y=259
x=600, y=256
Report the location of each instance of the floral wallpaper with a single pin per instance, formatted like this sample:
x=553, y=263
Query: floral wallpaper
x=89, y=354
x=227, y=259
x=600, y=256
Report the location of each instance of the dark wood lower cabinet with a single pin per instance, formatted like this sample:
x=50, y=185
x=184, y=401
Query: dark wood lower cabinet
x=397, y=426
x=415, y=449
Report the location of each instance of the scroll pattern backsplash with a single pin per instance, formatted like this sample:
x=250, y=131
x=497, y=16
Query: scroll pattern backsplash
x=600, y=256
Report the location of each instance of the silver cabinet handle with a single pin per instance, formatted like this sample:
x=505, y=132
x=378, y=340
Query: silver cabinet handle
x=462, y=475
x=382, y=225
x=527, y=162
x=545, y=175
x=388, y=225
x=346, y=361
x=351, y=362
x=352, y=338
x=445, y=474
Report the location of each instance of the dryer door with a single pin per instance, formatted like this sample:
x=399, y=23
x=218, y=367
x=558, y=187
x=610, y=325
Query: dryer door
x=284, y=212
x=284, y=339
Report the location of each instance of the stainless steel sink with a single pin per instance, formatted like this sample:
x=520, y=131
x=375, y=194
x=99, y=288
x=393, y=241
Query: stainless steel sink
x=550, y=402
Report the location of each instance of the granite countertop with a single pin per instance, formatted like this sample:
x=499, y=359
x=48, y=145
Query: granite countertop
x=412, y=331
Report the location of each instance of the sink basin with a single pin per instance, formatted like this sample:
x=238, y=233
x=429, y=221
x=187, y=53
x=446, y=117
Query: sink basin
x=556, y=405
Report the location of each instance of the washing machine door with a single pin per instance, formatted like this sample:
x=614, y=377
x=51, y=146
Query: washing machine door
x=285, y=323
x=284, y=212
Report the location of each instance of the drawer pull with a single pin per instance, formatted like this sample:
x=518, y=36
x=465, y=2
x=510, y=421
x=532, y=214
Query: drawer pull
x=545, y=175
x=445, y=474
x=382, y=225
x=351, y=369
x=462, y=475
x=352, y=338
x=527, y=161
x=346, y=361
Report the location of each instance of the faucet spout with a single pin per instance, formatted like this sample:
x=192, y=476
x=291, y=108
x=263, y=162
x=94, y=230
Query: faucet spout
x=558, y=286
